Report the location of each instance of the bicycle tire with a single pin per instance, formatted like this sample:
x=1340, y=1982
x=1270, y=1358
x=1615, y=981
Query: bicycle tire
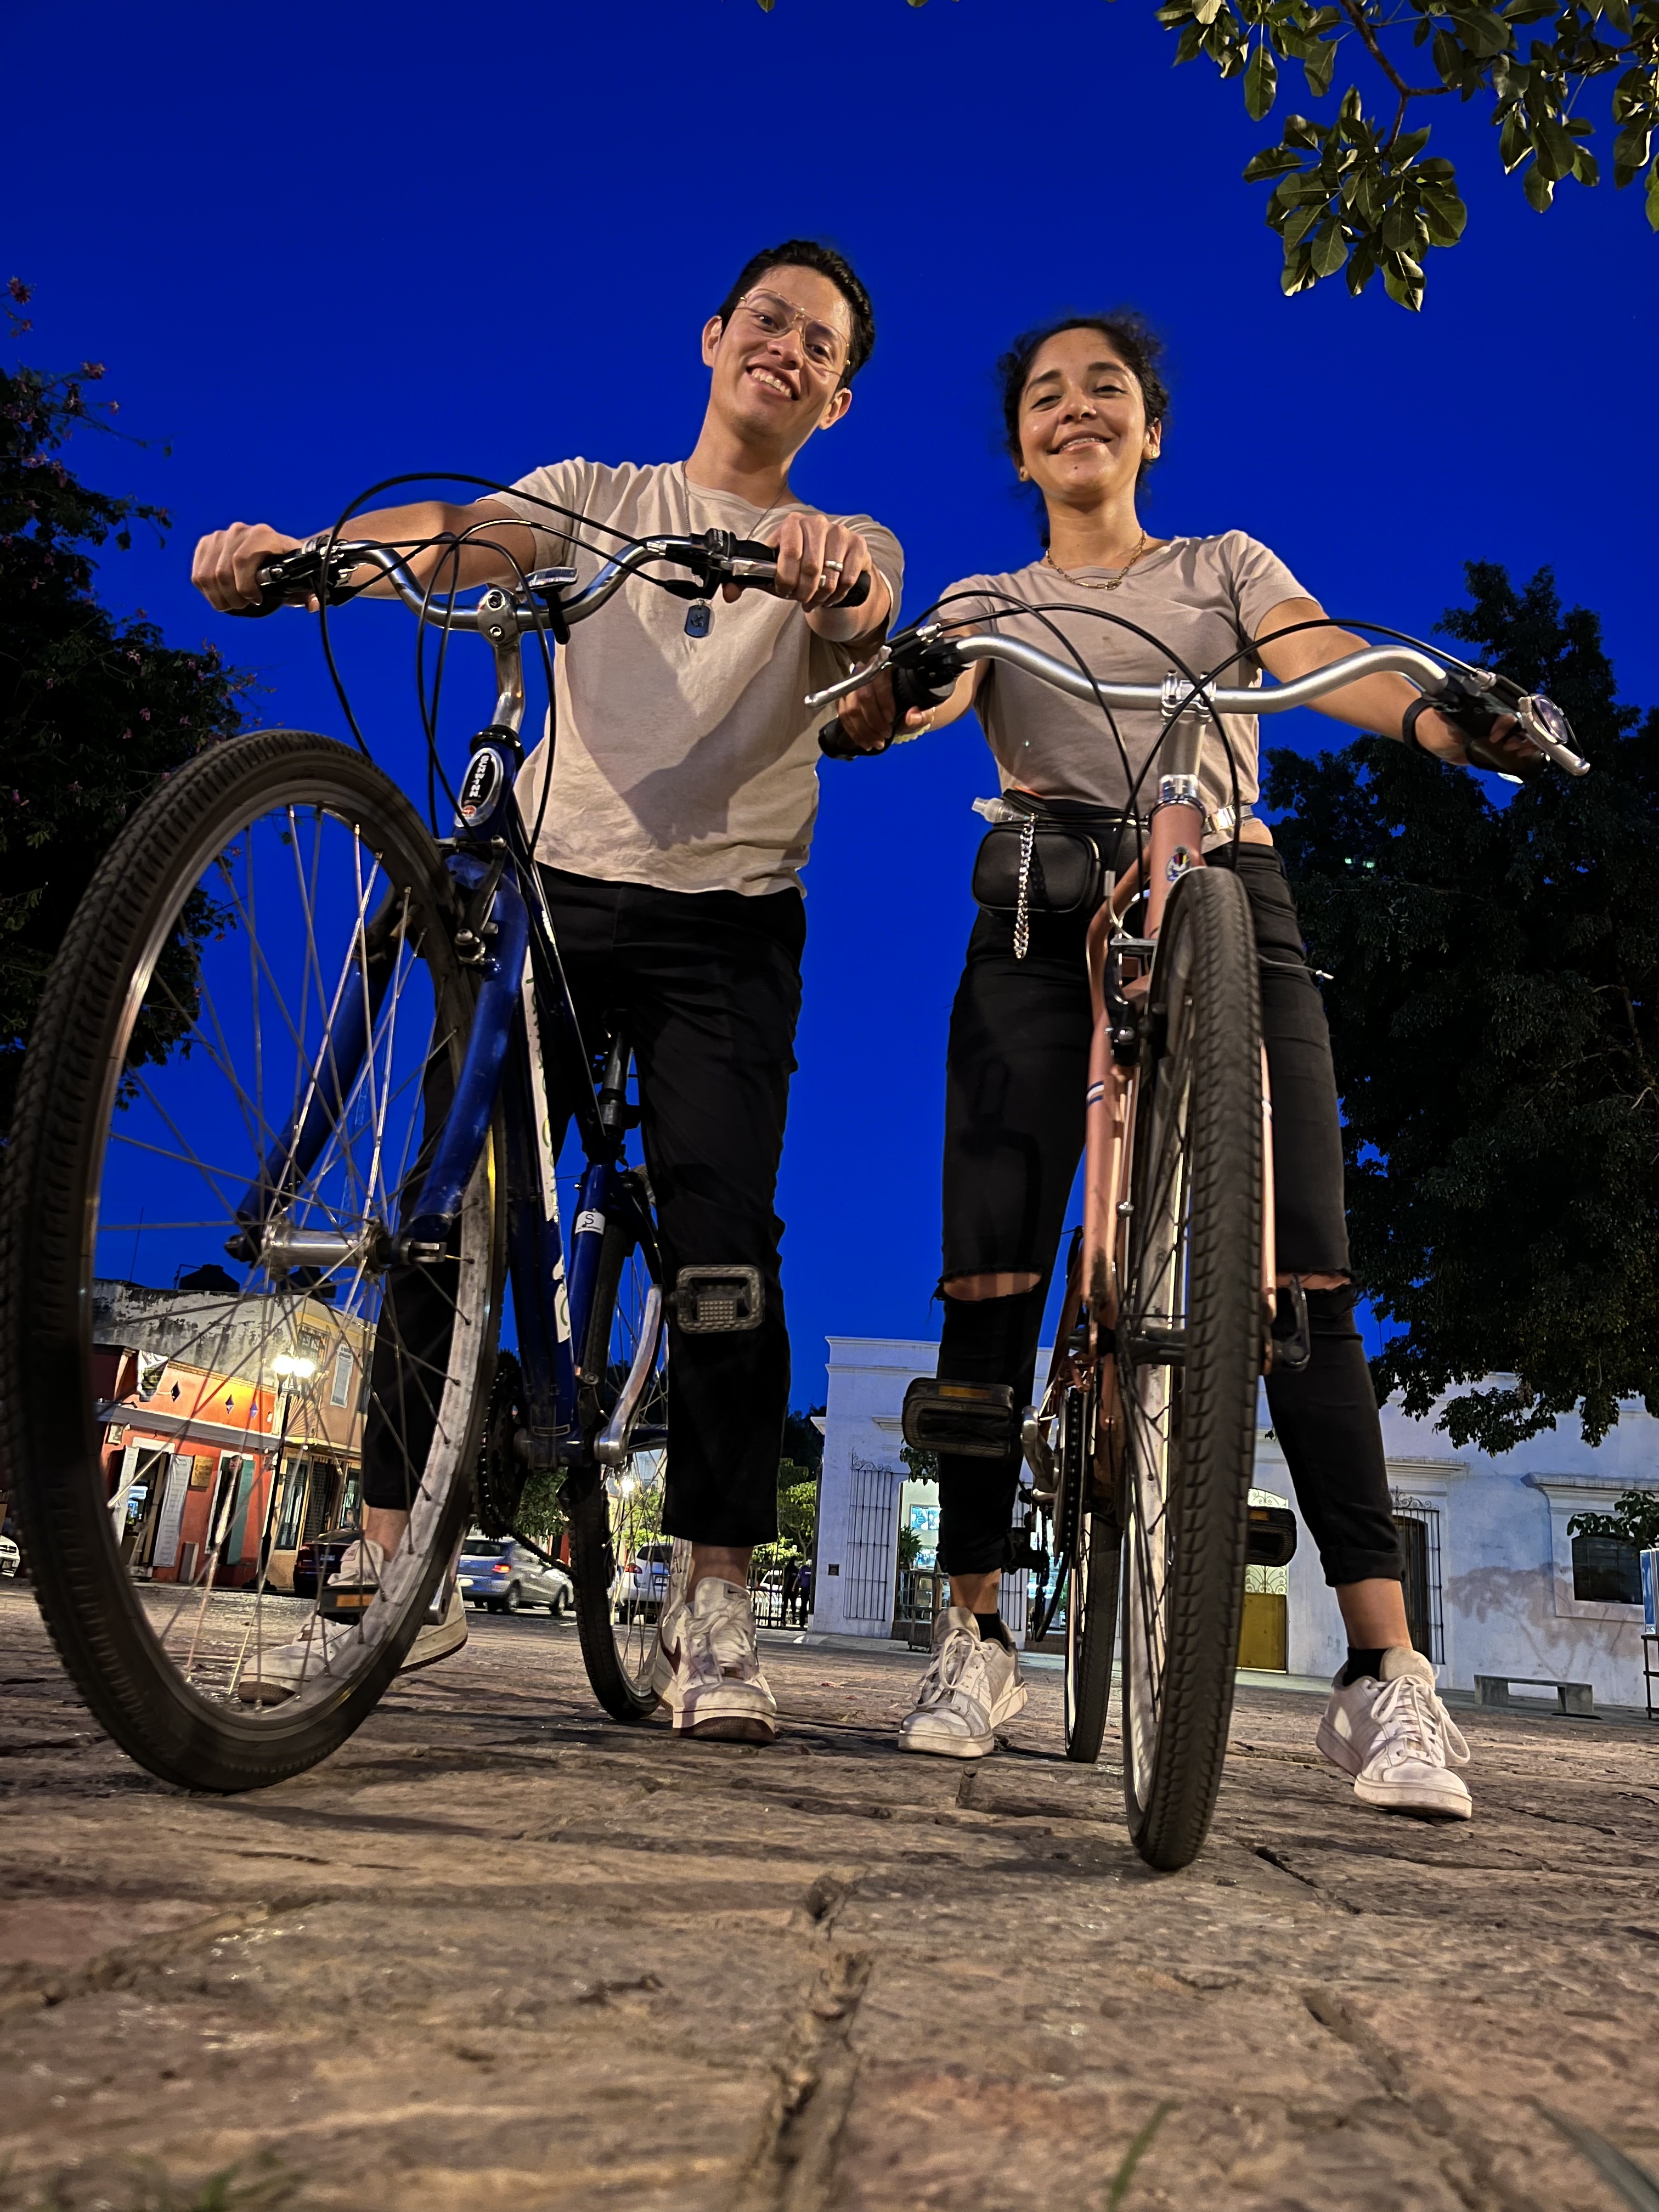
x=1192, y=1277
x=83, y=1071
x=608, y=1516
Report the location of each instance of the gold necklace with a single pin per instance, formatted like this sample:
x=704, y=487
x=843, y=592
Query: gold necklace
x=1083, y=583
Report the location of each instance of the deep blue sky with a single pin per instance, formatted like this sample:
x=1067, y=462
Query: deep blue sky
x=315, y=249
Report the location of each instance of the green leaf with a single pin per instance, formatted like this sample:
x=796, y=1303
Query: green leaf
x=1318, y=66
x=1261, y=82
x=1444, y=215
x=1585, y=169
x=1409, y=144
x=1514, y=140
x=1402, y=280
x=1271, y=161
x=1298, y=131
x=1207, y=11
x=1361, y=269
x=1618, y=14
x=1302, y=222
x=1539, y=189
x=1653, y=196
x=1330, y=250
x=1481, y=31
x=1555, y=149
x=1630, y=153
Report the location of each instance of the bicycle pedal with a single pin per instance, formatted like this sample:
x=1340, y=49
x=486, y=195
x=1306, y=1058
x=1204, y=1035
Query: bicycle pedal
x=1272, y=1538
x=718, y=1301
x=348, y=1603
x=979, y=1420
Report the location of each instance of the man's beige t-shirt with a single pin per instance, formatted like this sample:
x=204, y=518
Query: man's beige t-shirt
x=689, y=764
x=1204, y=598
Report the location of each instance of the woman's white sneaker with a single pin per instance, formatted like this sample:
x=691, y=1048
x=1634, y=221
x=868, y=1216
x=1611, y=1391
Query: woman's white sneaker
x=1397, y=1740
x=969, y=1689
x=708, y=1667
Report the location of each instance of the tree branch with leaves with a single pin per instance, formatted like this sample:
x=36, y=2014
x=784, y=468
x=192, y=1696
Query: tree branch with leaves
x=1358, y=195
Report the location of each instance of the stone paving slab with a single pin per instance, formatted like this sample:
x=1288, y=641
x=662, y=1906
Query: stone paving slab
x=502, y=1952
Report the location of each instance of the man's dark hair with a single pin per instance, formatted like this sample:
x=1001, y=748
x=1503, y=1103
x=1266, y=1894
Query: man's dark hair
x=809, y=254
x=1139, y=348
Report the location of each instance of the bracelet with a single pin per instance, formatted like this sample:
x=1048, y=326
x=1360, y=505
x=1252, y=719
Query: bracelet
x=1421, y=704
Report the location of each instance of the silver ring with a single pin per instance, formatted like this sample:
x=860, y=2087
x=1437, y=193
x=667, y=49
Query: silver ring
x=835, y=564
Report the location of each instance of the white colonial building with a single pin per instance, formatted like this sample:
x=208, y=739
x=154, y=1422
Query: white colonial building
x=1495, y=1585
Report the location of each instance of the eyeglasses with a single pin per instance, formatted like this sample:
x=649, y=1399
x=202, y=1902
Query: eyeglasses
x=825, y=346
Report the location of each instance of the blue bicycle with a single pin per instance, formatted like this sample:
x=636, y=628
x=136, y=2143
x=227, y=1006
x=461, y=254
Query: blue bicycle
x=286, y=1134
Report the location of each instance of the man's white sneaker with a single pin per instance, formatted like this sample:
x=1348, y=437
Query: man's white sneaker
x=351, y=1587
x=708, y=1670
x=269, y=1676
x=1397, y=1740
x=969, y=1689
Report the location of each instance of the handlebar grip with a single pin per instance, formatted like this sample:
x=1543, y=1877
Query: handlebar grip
x=272, y=595
x=835, y=744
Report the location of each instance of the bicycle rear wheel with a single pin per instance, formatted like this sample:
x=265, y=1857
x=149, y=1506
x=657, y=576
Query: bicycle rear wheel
x=618, y=1555
x=1189, y=1357
x=204, y=1347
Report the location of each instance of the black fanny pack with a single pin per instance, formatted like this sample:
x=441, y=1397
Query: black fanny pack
x=1053, y=859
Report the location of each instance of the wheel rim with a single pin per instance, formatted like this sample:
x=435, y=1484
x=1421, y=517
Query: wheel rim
x=633, y=1492
x=1155, y=1300
x=280, y=1384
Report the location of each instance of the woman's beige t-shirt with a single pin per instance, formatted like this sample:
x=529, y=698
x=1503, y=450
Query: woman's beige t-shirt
x=1204, y=597
x=689, y=764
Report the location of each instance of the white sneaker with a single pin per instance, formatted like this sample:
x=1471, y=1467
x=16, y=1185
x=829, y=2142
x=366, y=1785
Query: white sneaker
x=1397, y=1740
x=356, y=1578
x=443, y=1631
x=708, y=1669
x=969, y=1689
x=271, y=1676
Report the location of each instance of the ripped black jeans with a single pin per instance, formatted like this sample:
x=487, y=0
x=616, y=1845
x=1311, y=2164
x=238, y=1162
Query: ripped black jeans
x=1016, y=1070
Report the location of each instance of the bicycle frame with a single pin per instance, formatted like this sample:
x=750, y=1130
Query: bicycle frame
x=524, y=1025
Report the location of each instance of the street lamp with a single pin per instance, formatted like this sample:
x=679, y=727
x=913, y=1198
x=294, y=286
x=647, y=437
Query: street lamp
x=293, y=1372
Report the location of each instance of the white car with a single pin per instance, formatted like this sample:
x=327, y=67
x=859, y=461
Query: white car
x=10, y=1557
x=640, y=1589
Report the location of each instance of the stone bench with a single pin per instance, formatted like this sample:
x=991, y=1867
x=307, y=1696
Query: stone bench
x=1569, y=1697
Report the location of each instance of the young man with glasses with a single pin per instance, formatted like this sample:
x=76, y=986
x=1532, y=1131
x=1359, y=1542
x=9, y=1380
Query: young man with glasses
x=684, y=790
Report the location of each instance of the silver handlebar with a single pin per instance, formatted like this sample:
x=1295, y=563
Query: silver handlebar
x=1176, y=695
x=501, y=612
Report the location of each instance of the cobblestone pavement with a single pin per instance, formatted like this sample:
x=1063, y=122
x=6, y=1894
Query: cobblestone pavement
x=500, y=1953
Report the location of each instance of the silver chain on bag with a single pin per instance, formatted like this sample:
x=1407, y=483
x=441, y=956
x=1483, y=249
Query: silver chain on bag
x=1022, y=907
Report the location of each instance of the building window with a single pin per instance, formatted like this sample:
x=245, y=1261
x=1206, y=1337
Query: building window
x=292, y=1504
x=1606, y=1571
x=872, y=1531
x=1419, y=1524
x=342, y=1389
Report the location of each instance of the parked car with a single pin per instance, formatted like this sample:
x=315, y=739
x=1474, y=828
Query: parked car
x=506, y=1576
x=640, y=1589
x=316, y=1560
x=10, y=1557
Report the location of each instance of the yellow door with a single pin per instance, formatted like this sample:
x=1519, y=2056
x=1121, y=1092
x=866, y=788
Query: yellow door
x=1263, y=1639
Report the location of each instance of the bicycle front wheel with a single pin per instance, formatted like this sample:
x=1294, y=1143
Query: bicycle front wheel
x=1188, y=1356
x=619, y=1557
x=208, y=1351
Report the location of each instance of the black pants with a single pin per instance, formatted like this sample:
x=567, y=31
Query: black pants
x=709, y=985
x=1016, y=1071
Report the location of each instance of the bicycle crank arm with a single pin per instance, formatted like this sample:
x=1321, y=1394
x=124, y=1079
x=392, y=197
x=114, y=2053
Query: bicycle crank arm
x=615, y=1447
